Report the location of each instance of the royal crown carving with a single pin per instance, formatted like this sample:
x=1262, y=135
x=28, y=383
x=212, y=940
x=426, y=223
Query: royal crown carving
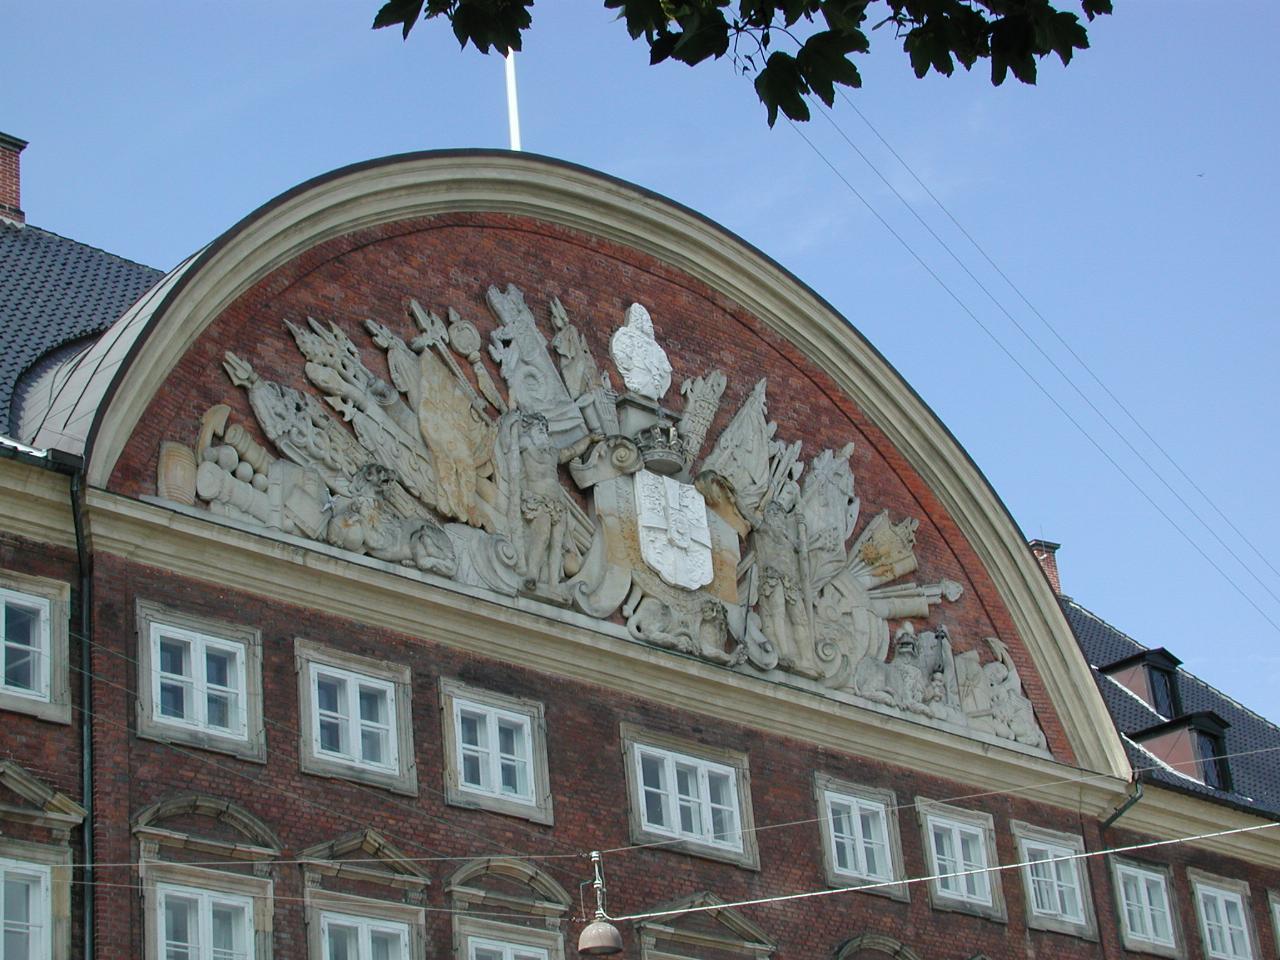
x=545, y=482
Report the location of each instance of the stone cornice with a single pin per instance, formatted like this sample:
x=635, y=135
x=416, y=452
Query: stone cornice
x=422, y=185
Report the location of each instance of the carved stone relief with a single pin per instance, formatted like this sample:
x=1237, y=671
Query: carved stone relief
x=751, y=558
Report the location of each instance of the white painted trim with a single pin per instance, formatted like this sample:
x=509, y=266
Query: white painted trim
x=422, y=185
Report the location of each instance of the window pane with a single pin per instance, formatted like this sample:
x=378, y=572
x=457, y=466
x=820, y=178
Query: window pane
x=472, y=771
x=474, y=730
x=515, y=777
x=386, y=946
x=373, y=746
x=687, y=781
x=719, y=789
x=329, y=695
x=178, y=924
x=342, y=943
x=19, y=668
x=654, y=809
x=173, y=657
x=21, y=625
x=219, y=668
x=226, y=931
x=331, y=736
x=511, y=739
x=173, y=700
x=373, y=705
x=485, y=953
x=651, y=772
x=18, y=894
x=17, y=944
x=219, y=711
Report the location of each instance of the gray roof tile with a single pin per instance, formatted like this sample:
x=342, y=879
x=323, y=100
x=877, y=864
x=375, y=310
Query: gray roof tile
x=52, y=291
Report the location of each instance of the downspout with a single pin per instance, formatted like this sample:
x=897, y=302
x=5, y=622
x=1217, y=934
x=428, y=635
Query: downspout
x=86, y=699
x=1121, y=810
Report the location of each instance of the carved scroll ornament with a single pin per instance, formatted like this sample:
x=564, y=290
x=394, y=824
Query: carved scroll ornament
x=564, y=490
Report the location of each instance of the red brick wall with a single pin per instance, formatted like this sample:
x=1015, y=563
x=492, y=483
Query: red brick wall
x=48, y=751
x=10, y=184
x=448, y=261
x=587, y=783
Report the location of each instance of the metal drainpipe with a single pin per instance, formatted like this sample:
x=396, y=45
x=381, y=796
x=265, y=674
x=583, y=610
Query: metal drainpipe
x=1121, y=810
x=86, y=700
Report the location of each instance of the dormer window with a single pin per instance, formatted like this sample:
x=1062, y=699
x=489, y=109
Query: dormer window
x=1151, y=676
x=1193, y=745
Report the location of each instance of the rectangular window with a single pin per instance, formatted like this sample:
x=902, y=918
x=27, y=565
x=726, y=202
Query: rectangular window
x=353, y=718
x=199, y=924
x=1054, y=882
x=859, y=837
x=25, y=926
x=689, y=797
x=495, y=749
x=198, y=681
x=25, y=651
x=960, y=860
x=360, y=938
x=1223, y=924
x=481, y=948
x=1144, y=899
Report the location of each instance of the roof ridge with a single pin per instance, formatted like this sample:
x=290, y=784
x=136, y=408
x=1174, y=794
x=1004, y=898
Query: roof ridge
x=96, y=249
x=1106, y=623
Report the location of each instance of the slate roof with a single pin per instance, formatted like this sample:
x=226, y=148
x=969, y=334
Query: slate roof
x=1255, y=776
x=54, y=291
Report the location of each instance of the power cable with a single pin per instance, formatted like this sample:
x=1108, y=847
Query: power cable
x=811, y=894
x=826, y=115
x=1031, y=376
x=1057, y=335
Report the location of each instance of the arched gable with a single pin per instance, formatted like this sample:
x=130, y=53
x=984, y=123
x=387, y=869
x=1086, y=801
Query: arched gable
x=930, y=562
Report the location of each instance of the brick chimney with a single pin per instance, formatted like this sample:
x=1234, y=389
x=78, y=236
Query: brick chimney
x=1046, y=553
x=11, y=179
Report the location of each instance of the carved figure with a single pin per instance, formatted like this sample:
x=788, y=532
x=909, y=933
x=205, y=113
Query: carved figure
x=533, y=384
x=993, y=699
x=639, y=357
x=364, y=522
x=702, y=400
x=675, y=538
x=538, y=507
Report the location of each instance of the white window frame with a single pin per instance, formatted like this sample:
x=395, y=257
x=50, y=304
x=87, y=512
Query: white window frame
x=398, y=772
x=365, y=928
x=324, y=906
x=202, y=948
x=1065, y=850
x=536, y=803
x=1144, y=941
x=353, y=726
x=740, y=846
x=507, y=949
x=50, y=697
x=42, y=913
x=161, y=878
x=156, y=620
x=198, y=683
x=1223, y=892
x=548, y=943
x=829, y=791
x=950, y=892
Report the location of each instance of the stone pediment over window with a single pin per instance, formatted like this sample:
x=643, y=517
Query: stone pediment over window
x=364, y=856
x=27, y=800
x=876, y=946
x=720, y=933
x=198, y=823
x=498, y=884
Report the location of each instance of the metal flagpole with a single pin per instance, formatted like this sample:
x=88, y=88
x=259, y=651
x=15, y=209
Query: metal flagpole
x=513, y=106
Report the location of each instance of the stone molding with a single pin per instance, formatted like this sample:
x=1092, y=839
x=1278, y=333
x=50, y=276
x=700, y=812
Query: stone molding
x=422, y=185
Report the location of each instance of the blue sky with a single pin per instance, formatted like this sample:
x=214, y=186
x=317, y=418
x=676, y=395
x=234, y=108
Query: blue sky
x=1130, y=197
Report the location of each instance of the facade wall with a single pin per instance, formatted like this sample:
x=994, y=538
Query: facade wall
x=449, y=261
x=590, y=797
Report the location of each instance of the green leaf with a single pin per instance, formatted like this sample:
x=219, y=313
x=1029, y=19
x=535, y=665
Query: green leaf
x=781, y=87
x=404, y=12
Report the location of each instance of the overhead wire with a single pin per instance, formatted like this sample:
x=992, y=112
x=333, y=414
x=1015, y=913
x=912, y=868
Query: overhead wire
x=1035, y=380
x=931, y=878
x=1057, y=335
x=827, y=115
